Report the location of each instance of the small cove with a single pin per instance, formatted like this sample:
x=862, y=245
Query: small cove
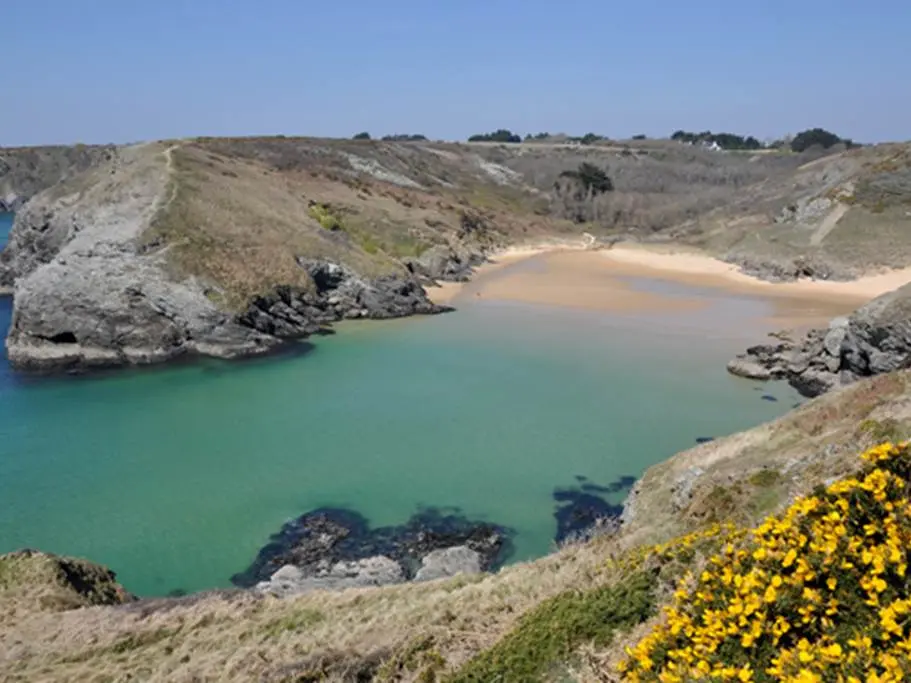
x=176, y=476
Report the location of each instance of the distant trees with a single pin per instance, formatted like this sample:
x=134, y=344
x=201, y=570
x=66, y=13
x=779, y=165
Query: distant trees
x=537, y=136
x=641, y=136
x=404, y=137
x=501, y=135
x=576, y=190
x=817, y=136
x=723, y=140
x=362, y=136
x=590, y=178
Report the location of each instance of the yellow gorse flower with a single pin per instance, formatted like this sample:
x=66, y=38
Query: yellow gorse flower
x=817, y=593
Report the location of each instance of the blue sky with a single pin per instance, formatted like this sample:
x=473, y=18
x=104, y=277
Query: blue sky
x=123, y=70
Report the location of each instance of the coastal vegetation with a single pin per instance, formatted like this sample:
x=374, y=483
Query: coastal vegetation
x=723, y=140
x=500, y=135
x=820, y=592
x=817, y=136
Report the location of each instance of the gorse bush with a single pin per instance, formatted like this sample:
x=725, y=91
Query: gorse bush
x=819, y=593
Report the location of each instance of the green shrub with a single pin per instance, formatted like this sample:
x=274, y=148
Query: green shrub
x=551, y=633
x=324, y=216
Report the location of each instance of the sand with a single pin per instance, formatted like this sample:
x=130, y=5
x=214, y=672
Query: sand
x=624, y=278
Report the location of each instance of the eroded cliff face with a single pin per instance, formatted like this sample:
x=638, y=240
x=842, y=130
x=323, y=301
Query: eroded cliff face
x=26, y=171
x=85, y=296
x=90, y=290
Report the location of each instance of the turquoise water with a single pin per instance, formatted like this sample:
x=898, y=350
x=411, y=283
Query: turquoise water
x=175, y=477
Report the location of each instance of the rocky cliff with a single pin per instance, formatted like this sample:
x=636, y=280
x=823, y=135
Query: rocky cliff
x=26, y=171
x=113, y=267
x=875, y=339
x=228, y=247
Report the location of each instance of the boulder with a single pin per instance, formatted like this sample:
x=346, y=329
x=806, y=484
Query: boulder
x=371, y=571
x=744, y=366
x=440, y=564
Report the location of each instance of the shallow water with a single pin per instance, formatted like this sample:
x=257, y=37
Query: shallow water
x=176, y=476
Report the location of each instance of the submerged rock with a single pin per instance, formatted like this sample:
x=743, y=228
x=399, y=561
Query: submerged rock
x=335, y=548
x=583, y=512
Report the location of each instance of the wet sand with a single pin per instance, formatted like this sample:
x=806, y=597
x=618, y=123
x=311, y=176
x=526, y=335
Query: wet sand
x=632, y=279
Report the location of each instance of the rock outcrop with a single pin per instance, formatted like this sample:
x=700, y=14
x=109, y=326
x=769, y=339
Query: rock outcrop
x=88, y=294
x=338, y=293
x=84, y=296
x=444, y=262
x=26, y=171
x=334, y=548
x=873, y=340
x=47, y=582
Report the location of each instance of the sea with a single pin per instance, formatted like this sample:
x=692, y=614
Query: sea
x=176, y=476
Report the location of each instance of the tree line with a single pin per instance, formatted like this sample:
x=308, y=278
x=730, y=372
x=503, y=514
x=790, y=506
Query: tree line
x=813, y=137
x=802, y=141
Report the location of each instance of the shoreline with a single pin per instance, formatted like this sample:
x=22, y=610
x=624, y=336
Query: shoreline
x=572, y=274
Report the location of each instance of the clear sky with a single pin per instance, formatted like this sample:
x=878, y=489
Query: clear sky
x=123, y=70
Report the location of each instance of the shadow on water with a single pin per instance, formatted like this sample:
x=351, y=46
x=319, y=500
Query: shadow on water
x=583, y=510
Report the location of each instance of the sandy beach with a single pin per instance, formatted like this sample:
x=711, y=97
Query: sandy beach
x=612, y=279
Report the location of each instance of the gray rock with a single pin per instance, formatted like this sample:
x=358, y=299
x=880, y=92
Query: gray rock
x=875, y=339
x=443, y=262
x=86, y=294
x=814, y=382
x=372, y=571
x=682, y=488
x=26, y=171
x=743, y=366
x=439, y=564
x=834, y=339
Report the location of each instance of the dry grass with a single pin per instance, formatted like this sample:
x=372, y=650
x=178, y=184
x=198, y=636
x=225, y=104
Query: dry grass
x=729, y=479
x=241, y=211
x=240, y=637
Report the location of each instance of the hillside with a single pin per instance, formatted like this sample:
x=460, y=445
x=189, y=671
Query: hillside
x=26, y=171
x=229, y=247
x=568, y=614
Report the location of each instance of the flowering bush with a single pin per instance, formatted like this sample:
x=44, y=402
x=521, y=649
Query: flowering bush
x=819, y=593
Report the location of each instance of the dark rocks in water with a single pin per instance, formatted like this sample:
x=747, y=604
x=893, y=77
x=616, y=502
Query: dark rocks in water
x=769, y=398
x=331, y=541
x=583, y=513
x=581, y=478
x=704, y=439
x=875, y=339
x=338, y=293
